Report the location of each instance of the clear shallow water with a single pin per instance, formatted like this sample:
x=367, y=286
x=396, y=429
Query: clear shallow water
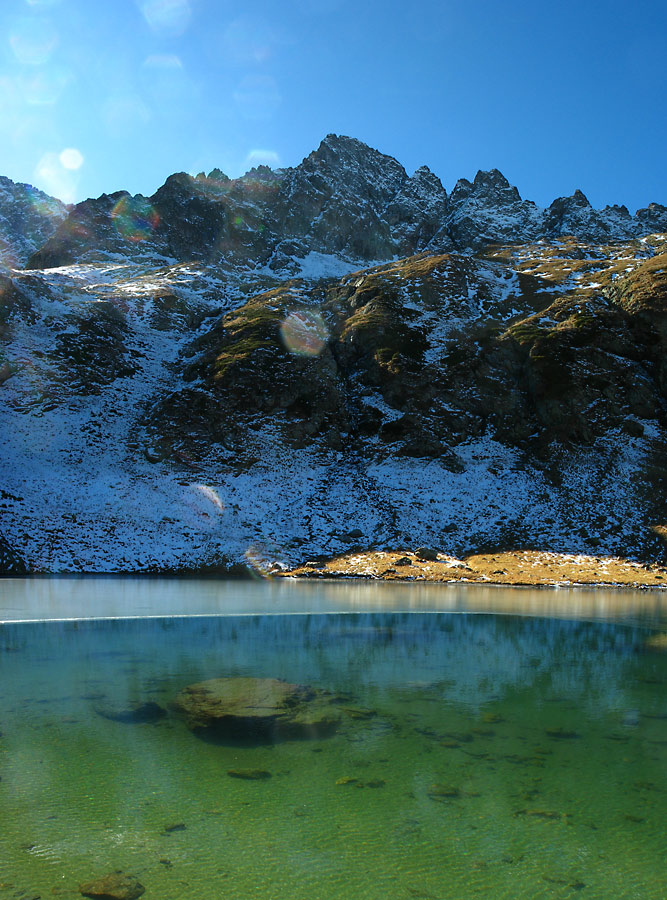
x=546, y=737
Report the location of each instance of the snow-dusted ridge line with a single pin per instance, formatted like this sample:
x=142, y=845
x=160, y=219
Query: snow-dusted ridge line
x=88, y=488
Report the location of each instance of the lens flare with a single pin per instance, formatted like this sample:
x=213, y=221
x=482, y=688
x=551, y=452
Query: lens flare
x=163, y=61
x=304, y=333
x=134, y=218
x=249, y=40
x=167, y=17
x=211, y=495
x=259, y=157
x=123, y=115
x=33, y=41
x=257, y=97
x=201, y=507
x=263, y=561
x=43, y=87
x=71, y=158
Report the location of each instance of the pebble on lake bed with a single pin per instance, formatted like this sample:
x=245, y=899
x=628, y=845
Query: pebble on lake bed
x=356, y=712
x=546, y=814
x=443, y=792
x=249, y=774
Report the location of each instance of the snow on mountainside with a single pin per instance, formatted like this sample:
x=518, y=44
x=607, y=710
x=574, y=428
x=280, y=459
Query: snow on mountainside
x=264, y=369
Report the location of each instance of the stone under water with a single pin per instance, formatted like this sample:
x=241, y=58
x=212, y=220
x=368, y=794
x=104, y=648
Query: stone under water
x=114, y=886
x=256, y=709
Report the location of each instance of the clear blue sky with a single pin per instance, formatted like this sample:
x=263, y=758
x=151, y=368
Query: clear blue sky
x=99, y=95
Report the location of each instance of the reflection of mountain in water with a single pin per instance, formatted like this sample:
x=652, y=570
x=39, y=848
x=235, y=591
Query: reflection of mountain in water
x=471, y=660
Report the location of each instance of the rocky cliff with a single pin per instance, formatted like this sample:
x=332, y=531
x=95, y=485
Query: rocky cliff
x=265, y=369
x=28, y=217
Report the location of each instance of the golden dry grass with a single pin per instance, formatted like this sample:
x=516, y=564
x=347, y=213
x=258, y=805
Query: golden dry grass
x=516, y=567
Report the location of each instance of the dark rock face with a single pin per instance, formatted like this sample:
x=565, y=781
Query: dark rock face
x=255, y=709
x=490, y=210
x=91, y=351
x=10, y=562
x=28, y=218
x=387, y=377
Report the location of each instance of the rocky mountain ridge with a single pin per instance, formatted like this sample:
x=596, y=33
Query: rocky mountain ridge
x=209, y=378
x=344, y=199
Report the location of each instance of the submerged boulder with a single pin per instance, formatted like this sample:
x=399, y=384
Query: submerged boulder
x=261, y=709
x=133, y=713
x=115, y=886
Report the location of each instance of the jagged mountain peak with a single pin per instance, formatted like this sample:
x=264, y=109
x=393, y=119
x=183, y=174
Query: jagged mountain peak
x=579, y=198
x=262, y=173
x=491, y=178
x=339, y=152
x=178, y=179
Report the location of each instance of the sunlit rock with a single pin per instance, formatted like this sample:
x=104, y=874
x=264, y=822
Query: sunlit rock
x=255, y=709
x=115, y=886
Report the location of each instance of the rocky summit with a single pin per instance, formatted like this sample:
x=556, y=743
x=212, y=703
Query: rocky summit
x=255, y=372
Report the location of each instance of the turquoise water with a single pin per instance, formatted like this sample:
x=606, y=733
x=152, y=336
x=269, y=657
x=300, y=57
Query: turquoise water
x=480, y=756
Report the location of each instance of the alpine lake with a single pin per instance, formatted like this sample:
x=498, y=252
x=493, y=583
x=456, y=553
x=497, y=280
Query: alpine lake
x=197, y=738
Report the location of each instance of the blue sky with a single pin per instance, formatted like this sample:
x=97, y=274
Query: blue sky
x=99, y=96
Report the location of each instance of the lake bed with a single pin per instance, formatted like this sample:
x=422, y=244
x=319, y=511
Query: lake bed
x=474, y=753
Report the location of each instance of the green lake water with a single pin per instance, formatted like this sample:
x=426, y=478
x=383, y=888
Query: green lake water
x=498, y=756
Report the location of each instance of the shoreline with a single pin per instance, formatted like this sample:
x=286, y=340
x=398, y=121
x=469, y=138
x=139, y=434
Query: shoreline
x=516, y=568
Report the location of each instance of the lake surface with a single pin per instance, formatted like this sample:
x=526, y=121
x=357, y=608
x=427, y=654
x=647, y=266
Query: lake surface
x=521, y=755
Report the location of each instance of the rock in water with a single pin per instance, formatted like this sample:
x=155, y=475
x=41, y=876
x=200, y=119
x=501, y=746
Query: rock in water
x=132, y=713
x=260, y=709
x=249, y=774
x=115, y=886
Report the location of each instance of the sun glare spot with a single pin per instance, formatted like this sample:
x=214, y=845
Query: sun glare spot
x=51, y=176
x=33, y=41
x=167, y=17
x=304, y=333
x=71, y=158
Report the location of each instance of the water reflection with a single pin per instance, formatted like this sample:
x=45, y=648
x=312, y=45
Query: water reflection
x=72, y=597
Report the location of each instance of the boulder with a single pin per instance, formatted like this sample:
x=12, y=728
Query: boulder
x=256, y=709
x=115, y=886
x=133, y=713
x=426, y=553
